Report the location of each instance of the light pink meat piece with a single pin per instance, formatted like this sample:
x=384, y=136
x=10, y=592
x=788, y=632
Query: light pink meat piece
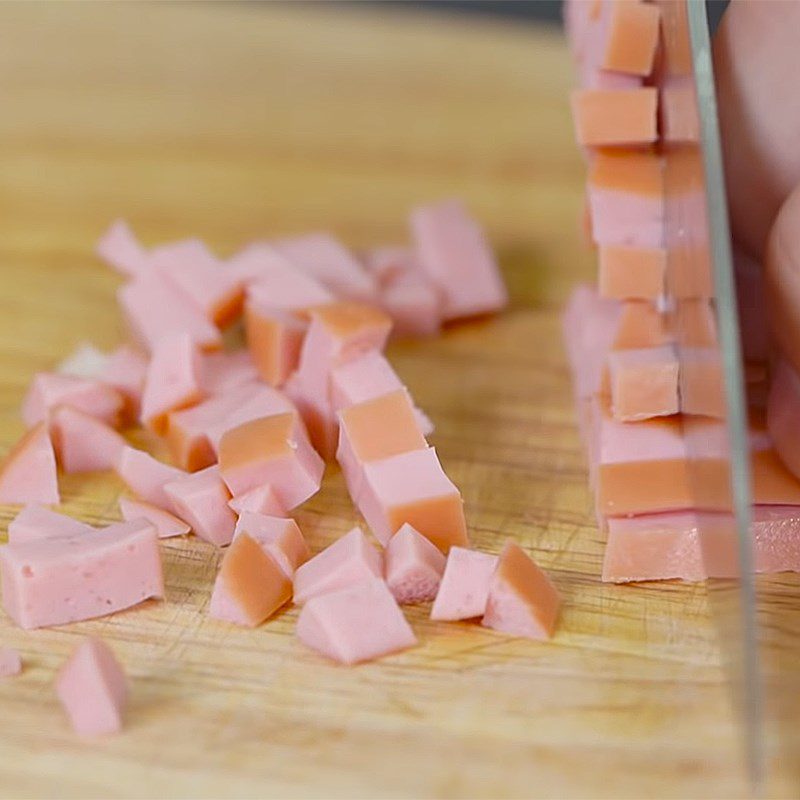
x=644, y=383
x=329, y=262
x=120, y=249
x=187, y=430
x=366, y=378
x=69, y=578
x=317, y=412
x=275, y=451
x=92, y=689
x=589, y=325
x=125, y=370
x=626, y=199
x=412, y=487
x=202, y=500
x=154, y=310
x=694, y=546
x=10, y=662
x=455, y=254
x=28, y=471
x=414, y=305
x=348, y=561
x=49, y=389
x=263, y=401
x=85, y=361
x=522, y=599
x=464, y=589
x=356, y=624
x=261, y=500
x=389, y=261
x=256, y=261
x=224, y=371
x=36, y=522
x=166, y=524
x=288, y=289
x=191, y=268
x=281, y=538
x=414, y=567
x=146, y=476
x=83, y=443
x=174, y=380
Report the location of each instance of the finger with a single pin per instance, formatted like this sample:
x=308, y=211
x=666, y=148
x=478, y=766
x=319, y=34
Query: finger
x=755, y=62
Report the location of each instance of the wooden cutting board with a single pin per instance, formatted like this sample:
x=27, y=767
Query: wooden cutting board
x=236, y=121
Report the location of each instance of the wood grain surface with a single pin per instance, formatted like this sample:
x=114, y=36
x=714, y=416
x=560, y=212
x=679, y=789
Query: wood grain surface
x=236, y=121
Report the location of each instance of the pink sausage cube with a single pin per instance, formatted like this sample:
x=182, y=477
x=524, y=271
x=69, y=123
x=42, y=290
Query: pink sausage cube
x=70, y=578
x=202, y=500
x=83, y=443
x=262, y=401
x=146, y=477
x=191, y=268
x=412, y=487
x=314, y=405
x=324, y=258
x=356, y=624
x=464, y=589
x=36, y=522
x=388, y=261
x=125, y=371
x=223, y=371
x=281, y=538
x=347, y=561
x=10, y=662
x=261, y=500
x=166, y=524
x=522, y=599
x=85, y=361
x=414, y=567
x=120, y=249
x=413, y=303
x=258, y=261
x=153, y=310
x=644, y=383
x=188, y=430
x=271, y=450
x=92, y=689
x=49, y=390
x=173, y=380
x=28, y=471
x=455, y=255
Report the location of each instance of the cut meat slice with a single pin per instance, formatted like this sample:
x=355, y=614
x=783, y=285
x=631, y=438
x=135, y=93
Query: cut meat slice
x=281, y=538
x=271, y=450
x=146, y=477
x=120, y=249
x=606, y=117
x=221, y=372
x=412, y=488
x=522, y=599
x=174, y=380
x=348, y=561
x=125, y=371
x=250, y=586
x=631, y=273
x=202, y=500
x=191, y=268
x=644, y=383
x=153, y=310
x=69, y=578
x=261, y=500
x=455, y=254
x=464, y=589
x=49, y=389
x=632, y=37
x=28, y=471
x=166, y=524
x=92, y=689
x=83, y=443
x=414, y=567
x=35, y=522
x=355, y=624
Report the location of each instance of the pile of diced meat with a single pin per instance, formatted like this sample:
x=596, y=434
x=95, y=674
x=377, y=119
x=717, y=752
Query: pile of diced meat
x=248, y=430
x=652, y=423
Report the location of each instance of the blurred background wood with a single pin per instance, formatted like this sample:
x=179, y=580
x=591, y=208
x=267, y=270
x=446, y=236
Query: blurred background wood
x=233, y=122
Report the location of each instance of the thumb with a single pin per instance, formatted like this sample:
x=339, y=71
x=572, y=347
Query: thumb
x=782, y=275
